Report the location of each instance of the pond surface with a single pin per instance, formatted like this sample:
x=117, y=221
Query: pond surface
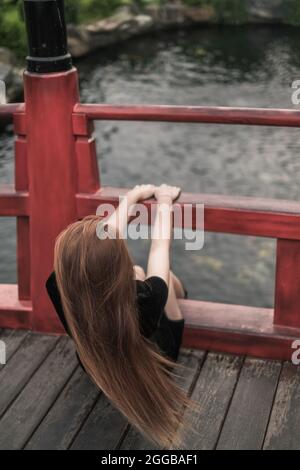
x=231, y=66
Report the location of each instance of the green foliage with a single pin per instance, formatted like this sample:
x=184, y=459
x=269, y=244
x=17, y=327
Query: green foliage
x=72, y=11
x=226, y=11
x=233, y=11
x=93, y=9
x=293, y=12
x=195, y=3
x=12, y=28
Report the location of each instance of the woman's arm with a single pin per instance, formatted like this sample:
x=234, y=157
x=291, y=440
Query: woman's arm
x=159, y=256
x=119, y=218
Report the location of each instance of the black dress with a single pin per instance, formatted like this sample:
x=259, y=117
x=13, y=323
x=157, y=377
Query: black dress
x=152, y=296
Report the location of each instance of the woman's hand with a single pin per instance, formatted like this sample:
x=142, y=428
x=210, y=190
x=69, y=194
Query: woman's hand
x=166, y=193
x=119, y=218
x=142, y=191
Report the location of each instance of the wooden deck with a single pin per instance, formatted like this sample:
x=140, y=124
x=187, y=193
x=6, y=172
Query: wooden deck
x=48, y=402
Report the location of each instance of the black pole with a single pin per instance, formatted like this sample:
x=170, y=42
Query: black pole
x=47, y=36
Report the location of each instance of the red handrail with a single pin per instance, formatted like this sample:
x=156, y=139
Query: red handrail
x=197, y=114
x=57, y=181
x=7, y=110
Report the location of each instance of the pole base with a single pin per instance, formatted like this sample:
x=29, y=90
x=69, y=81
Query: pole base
x=49, y=64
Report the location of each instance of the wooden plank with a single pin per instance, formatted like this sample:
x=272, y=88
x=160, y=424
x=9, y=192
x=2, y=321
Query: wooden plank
x=226, y=214
x=13, y=339
x=248, y=415
x=103, y=428
x=192, y=360
x=106, y=427
x=213, y=391
x=61, y=424
x=284, y=427
x=29, y=408
x=22, y=365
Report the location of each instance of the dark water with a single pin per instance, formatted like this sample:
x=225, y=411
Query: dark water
x=220, y=66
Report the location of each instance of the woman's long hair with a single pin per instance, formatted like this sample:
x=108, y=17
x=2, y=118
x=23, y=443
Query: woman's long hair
x=95, y=279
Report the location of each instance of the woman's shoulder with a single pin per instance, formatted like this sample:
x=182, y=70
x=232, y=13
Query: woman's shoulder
x=152, y=287
x=152, y=295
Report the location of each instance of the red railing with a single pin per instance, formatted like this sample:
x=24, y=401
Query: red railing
x=57, y=181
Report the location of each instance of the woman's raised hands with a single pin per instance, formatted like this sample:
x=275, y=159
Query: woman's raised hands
x=166, y=192
x=143, y=191
x=163, y=192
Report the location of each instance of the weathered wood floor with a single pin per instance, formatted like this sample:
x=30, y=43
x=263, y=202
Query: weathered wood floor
x=47, y=402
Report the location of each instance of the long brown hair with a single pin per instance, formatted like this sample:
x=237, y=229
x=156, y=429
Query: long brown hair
x=96, y=282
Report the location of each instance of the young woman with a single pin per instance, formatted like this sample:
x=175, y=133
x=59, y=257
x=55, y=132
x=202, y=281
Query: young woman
x=126, y=324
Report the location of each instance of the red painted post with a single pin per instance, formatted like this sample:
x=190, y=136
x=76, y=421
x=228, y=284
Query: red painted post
x=287, y=289
x=51, y=91
x=52, y=178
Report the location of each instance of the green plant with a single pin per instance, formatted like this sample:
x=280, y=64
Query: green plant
x=12, y=27
x=93, y=9
x=293, y=12
x=72, y=11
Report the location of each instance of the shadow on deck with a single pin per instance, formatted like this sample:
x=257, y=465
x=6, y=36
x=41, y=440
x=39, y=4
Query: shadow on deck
x=48, y=402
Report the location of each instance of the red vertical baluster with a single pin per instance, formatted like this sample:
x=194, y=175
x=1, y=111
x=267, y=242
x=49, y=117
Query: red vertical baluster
x=287, y=293
x=21, y=184
x=88, y=172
